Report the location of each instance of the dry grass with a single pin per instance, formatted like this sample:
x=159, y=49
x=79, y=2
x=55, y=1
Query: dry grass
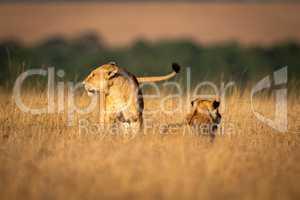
x=42, y=158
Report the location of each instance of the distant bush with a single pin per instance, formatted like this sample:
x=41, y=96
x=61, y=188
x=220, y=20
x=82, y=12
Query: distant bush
x=228, y=61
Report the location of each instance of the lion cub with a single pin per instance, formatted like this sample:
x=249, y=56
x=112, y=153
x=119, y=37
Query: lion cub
x=205, y=116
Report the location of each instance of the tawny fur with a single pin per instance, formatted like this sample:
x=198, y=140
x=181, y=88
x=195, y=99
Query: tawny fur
x=124, y=99
x=204, y=114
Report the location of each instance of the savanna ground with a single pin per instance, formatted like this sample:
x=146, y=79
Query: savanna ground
x=43, y=158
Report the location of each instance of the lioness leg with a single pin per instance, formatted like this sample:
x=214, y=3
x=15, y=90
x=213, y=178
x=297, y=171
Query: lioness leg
x=136, y=126
x=132, y=121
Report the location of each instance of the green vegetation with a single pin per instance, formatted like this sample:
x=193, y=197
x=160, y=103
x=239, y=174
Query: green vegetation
x=223, y=62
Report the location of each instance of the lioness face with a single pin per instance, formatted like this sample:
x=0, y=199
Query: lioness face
x=98, y=79
x=209, y=107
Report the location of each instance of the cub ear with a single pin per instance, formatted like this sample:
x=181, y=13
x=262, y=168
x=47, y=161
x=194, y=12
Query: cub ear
x=216, y=104
x=112, y=72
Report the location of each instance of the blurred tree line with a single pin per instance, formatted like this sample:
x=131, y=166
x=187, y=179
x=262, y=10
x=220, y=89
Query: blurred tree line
x=222, y=62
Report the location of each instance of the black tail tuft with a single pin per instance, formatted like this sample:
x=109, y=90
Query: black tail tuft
x=176, y=67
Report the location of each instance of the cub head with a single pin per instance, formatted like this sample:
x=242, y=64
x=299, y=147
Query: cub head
x=98, y=79
x=208, y=107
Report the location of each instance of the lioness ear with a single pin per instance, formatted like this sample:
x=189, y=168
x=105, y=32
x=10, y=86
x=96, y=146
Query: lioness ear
x=111, y=73
x=216, y=104
x=194, y=102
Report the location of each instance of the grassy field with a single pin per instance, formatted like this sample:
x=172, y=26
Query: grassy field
x=43, y=158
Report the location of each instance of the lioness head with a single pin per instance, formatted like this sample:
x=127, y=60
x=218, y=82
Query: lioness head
x=98, y=79
x=209, y=108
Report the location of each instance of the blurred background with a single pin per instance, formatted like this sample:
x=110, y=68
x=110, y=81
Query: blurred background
x=239, y=41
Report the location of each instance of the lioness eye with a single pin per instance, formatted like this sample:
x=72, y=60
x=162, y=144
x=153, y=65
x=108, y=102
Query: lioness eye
x=109, y=73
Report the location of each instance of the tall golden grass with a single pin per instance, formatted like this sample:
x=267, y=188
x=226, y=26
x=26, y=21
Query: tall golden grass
x=43, y=158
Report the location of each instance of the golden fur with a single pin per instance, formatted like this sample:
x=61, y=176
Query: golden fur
x=124, y=100
x=205, y=115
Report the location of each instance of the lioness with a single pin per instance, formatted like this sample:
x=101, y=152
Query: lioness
x=124, y=100
x=205, y=116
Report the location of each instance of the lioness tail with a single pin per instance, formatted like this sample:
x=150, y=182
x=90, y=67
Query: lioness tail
x=175, y=67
